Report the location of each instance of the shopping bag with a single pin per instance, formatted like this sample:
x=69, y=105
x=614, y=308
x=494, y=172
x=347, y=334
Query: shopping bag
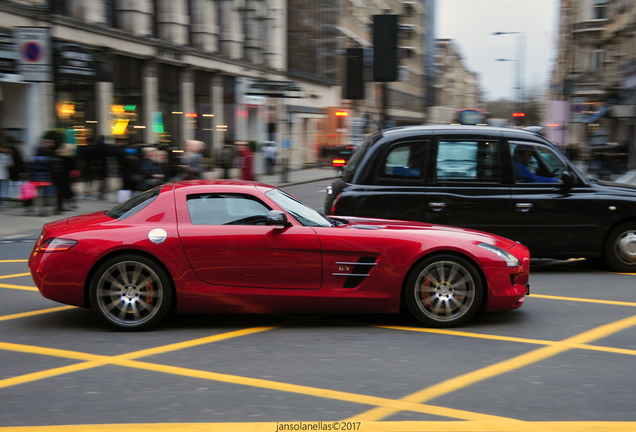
x=27, y=191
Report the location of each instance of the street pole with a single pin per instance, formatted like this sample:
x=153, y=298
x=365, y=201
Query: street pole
x=520, y=54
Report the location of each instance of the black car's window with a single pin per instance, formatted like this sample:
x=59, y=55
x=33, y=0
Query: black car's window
x=535, y=163
x=134, y=205
x=226, y=209
x=468, y=160
x=403, y=161
x=358, y=154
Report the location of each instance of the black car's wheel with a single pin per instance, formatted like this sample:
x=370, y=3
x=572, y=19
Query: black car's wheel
x=620, y=248
x=444, y=291
x=131, y=292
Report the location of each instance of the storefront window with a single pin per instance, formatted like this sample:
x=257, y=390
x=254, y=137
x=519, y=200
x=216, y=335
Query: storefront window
x=75, y=110
x=126, y=110
x=203, y=123
x=170, y=114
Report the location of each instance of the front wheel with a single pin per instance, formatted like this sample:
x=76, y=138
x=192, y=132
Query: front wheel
x=620, y=248
x=444, y=291
x=130, y=292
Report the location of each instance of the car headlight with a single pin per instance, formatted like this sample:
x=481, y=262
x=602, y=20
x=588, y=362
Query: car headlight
x=510, y=259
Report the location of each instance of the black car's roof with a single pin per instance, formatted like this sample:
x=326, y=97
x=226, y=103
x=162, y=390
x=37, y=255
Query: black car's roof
x=459, y=130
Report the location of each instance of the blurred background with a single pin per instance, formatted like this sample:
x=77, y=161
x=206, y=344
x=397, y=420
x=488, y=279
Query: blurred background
x=312, y=78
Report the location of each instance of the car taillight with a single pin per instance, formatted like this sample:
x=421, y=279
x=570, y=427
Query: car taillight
x=339, y=162
x=56, y=245
x=333, y=204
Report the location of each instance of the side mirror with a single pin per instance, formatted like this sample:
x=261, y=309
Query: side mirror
x=277, y=219
x=568, y=179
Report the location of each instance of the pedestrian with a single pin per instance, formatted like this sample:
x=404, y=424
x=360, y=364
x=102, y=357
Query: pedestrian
x=5, y=165
x=42, y=169
x=65, y=195
x=245, y=161
x=100, y=167
x=17, y=168
x=270, y=151
x=191, y=163
x=226, y=159
x=153, y=173
x=128, y=160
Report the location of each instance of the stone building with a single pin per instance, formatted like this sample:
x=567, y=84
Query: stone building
x=456, y=87
x=595, y=73
x=165, y=71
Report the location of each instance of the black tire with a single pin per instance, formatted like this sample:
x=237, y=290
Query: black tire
x=620, y=248
x=131, y=292
x=444, y=291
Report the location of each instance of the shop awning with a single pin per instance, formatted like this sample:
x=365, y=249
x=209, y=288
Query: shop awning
x=596, y=116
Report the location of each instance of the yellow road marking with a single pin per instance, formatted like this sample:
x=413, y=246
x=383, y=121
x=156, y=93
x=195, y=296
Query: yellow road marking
x=512, y=339
x=500, y=368
x=583, y=300
x=33, y=313
x=18, y=287
x=389, y=426
x=14, y=261
x=126, y=360
x=15, y=275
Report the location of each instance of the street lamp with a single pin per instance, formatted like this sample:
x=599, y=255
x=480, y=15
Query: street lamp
x=520, y=64
x=511, y=104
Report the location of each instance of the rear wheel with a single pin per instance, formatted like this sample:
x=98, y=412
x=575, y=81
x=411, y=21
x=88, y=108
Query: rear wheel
x=620, y=248
x=444, y=291
x=131, y=292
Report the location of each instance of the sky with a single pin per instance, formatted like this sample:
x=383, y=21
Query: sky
x=471, y=24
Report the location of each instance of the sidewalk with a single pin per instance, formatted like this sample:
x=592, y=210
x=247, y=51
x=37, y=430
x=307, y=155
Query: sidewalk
x=16, y=223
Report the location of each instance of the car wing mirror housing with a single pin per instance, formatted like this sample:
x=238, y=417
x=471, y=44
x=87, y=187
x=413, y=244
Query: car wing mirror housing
x=568, y=178
x=277, y=218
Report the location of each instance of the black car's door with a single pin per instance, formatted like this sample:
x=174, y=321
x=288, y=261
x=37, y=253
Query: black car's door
x=552, y=220
x=466, y=187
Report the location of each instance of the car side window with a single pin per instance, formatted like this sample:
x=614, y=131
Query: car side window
x=403, y=161
x=226, y=209
x=535, y=163
x=468, y=160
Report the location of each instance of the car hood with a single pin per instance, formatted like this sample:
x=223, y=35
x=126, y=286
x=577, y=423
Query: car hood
x=411, y=227
x=615, y=188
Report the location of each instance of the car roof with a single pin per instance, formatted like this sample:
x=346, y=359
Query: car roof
x=462, y=130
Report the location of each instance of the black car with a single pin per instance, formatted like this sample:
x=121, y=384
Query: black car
x=504, y=181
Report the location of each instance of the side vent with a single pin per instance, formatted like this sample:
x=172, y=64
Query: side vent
x=361, y=270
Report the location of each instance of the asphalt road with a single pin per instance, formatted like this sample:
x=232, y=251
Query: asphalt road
x=563, y=362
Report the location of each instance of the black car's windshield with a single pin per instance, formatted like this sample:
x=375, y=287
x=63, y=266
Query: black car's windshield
x=134, y=205
x=304, y=214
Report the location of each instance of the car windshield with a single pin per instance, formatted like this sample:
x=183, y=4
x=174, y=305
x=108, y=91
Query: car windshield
x=304, y=214
x=134, y=205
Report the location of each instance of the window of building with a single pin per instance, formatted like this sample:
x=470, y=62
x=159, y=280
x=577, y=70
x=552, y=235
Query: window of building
x=599, y=10
x=597, y=57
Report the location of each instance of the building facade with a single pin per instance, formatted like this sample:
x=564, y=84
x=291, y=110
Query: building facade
x=156, y=72
x=165, y=71
x=456, y=87
x=594, y=77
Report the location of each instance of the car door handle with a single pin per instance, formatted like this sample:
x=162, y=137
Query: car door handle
x=437, y=206
x=524, y=207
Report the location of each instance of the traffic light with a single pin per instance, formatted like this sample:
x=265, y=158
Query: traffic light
x=385, y=48
x=355, y=82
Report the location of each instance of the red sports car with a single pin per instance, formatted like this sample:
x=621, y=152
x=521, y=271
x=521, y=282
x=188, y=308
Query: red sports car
x=226, y=246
